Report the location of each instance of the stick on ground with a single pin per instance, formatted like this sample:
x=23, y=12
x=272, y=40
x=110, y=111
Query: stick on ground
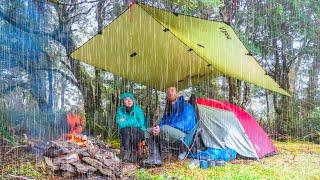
x=16, y=147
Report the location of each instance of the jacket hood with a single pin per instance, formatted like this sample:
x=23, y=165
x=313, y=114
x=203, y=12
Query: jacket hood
x=178, y=105
x=129, y=95
x=180, y=100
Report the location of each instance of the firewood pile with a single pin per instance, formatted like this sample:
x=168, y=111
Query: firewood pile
x=92, y=158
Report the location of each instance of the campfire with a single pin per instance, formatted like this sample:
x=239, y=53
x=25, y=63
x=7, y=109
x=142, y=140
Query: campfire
x=80, y=140
x=76, y=154
x=76, y=124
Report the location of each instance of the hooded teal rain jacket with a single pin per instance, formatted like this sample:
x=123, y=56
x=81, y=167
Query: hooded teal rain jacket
x=135, y=118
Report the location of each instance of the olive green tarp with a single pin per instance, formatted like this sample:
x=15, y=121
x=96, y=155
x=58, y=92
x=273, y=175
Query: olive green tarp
x=158, y=48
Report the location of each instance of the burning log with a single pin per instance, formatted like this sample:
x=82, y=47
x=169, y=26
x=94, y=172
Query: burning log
x=76, y=154
x=90, y=157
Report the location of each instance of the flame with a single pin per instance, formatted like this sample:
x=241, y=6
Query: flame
x=76, y=123
x=78, y=139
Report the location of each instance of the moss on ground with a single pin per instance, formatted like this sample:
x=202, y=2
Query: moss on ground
x=115, y=143
x=28, y=170
x=295, y=160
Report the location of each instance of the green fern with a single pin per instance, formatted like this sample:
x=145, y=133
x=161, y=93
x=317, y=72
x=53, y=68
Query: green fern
x=5, y=124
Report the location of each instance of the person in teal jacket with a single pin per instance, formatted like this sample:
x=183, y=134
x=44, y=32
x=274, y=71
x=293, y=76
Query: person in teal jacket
x=131, y=122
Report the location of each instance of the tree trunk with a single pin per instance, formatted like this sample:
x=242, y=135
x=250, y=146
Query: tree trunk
x=234, y=91
x=277, y=76
x=245, y=95
x=313, y=85
x=50, y=81
x=84, y=81
x=268, y=111
x=286, y=110
x=38, y=90
x=98, y=97
x=63, y=91
x=234, y=85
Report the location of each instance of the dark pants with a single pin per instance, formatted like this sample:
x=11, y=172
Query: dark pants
x=169, y=140
x=130, y=137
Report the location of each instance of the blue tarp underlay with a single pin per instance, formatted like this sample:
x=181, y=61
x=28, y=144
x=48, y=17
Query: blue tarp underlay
x=226, y=154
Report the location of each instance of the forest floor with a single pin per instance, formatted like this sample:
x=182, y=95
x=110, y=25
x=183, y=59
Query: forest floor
x=295, y=160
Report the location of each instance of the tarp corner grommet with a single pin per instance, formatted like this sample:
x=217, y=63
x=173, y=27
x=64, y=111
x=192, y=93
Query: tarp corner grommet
x=133, y=54
x=175, y=13
x=166, y=29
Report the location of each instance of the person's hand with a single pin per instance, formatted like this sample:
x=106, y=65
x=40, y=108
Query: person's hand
x=156, y=130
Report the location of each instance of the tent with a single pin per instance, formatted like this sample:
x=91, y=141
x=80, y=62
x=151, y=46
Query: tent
x=159, y=48
x=227, y=126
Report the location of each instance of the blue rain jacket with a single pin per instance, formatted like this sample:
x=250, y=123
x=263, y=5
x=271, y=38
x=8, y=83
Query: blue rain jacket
x=182, y=116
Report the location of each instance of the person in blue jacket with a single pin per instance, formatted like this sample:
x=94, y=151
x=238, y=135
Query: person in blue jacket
x=131, y=122
x=179, y=119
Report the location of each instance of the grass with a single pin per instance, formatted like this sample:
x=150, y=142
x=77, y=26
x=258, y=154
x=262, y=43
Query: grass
x=20, y=164
x=295, y=160
x=115, y=143
x=28, y=170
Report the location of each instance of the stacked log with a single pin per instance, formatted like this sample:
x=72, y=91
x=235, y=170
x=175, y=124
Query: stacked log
x=91, y=159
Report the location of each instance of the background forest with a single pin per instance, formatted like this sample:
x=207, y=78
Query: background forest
x=39, y=81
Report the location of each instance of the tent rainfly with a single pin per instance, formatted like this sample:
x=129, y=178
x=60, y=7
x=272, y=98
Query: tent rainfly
x=160, y=48
x=226, y=125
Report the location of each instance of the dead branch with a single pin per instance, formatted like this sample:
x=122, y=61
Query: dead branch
x=80, y=14
x=18, y=177
x=23, y=28
x=63, y=74
x=73, y=4
x=16, y=147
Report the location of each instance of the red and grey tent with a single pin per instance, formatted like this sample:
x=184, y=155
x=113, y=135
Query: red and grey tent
x=226, y=125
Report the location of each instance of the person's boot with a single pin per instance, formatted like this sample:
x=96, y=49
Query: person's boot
x=164, y=149
x=133, y=157
x=183, y=152
x=154, y=158
x=126, y=156
x=140, y=150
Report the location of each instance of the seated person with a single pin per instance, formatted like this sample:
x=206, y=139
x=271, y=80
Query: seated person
x=131, y=122
x=178, y=119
